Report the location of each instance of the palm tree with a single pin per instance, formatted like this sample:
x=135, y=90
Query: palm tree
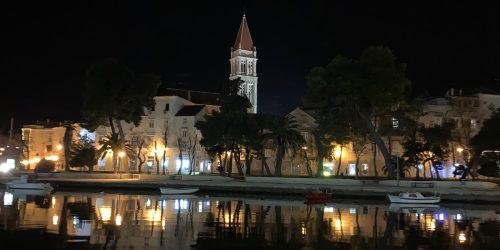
x=285, y=136
x=112, y=143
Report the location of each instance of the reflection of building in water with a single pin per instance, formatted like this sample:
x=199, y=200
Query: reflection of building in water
x=136, y=221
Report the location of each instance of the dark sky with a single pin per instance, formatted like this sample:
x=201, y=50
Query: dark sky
x=47, y=46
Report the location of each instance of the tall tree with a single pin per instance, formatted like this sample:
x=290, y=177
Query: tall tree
x=114, y=93
x=227, y=129
x=488, y=137
x=285, y=136
x=365, y=88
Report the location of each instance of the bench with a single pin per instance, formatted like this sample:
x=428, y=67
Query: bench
x=427, y=184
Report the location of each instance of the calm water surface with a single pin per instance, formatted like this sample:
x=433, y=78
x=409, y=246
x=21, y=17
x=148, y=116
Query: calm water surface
x=70, y=220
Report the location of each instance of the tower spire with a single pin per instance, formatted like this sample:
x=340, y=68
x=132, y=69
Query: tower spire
x=244, y=63
x=244, y=39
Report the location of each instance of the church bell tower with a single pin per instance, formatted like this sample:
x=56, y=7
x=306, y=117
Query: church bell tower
x=244, y=63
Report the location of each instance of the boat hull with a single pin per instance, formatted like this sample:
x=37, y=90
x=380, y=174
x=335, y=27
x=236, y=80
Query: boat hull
x=164, y=190
x=312, y=198
x=414, y=200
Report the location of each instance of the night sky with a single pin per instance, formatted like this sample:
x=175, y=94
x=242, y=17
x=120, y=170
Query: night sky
x=46, y=47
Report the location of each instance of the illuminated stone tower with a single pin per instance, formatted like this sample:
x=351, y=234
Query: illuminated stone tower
x=244, y=63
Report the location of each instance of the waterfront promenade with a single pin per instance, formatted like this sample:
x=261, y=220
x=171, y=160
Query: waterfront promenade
x=369, y=190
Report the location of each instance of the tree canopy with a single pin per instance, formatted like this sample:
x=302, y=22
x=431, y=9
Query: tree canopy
x=114, y=92
x=355, y=91
x=488, y=137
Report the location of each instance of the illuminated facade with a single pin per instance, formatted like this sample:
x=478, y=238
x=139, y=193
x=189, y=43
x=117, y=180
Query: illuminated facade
x=167, y=129
x=45, y=140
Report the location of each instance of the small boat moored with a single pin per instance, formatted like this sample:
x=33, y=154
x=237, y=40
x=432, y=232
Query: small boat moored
x=168, y=190
x=318, y=196
x=413, y=198
x=28, y=183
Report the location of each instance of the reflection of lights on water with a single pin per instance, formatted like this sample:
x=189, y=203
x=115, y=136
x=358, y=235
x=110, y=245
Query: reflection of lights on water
x=200, y=206
x=154, y=215
x=338, y=224
x=430, y=224
x=439, y=216
x=459, y=216
x=55, y=220
x=329, y=209
x=352, y=210
x=76, y=220
x=180, y=204
x=118, y=220
x=461, y=237
x=303, y=230
x=53, y=201
x=8, y=198
x=163, y=223
x=105, y=213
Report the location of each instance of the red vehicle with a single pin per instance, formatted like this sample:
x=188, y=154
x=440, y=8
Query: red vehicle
x=318, y=197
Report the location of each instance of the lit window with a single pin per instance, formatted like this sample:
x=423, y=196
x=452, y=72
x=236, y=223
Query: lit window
x=395, y=123
x=473, y=123
x=151, y=123
x=365, y=168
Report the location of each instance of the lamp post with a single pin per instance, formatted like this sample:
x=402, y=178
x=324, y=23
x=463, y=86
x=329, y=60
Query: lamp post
x=121, y=154
x=397, y=168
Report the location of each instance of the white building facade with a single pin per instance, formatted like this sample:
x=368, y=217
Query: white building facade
x=166, y=139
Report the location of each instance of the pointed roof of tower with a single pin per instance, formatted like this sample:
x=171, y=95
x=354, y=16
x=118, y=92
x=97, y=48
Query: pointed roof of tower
x=244, y=39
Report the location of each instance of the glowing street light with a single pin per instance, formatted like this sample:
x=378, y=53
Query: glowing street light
x=460, y=150
x=59, y=147
x=121, y=154
x=118, y=220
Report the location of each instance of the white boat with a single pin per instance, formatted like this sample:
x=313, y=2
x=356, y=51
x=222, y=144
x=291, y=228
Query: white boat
x=24, y=183
x=178, y=197
x=167, y=190
x=412, y=208
x=413, y=198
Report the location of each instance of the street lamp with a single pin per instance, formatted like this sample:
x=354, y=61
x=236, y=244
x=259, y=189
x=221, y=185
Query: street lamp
x=460, y=150
x=397, y=167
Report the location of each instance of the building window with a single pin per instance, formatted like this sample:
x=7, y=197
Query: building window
x=395, y=123
x=167, y=107
x=250, y=68
x=49, y=148
x=184, y=132
x=151, y=123
x=473, y=123
x=153, y=108
x=364, y=168
x=243, y=67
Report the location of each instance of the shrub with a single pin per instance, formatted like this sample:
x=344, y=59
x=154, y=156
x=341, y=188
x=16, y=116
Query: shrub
x=45, y=166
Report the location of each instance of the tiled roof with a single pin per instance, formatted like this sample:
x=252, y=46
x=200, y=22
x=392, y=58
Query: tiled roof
x=198, y=97
x=244, y=39
x=190, y=110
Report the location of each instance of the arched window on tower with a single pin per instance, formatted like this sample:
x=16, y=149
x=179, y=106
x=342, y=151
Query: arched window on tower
x=243, y=67
x=250, y=68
